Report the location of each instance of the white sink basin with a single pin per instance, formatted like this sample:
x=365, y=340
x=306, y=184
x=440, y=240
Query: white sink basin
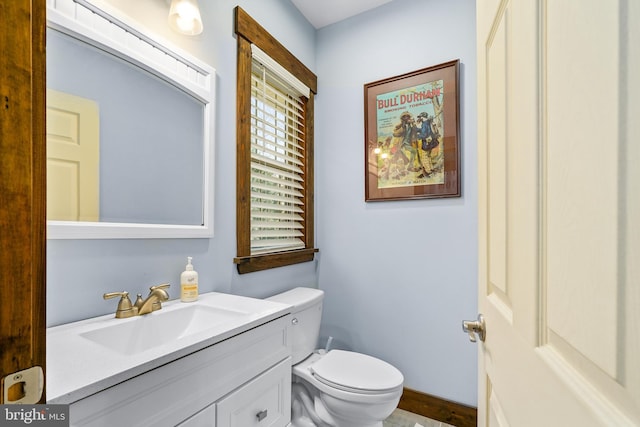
x=159, y=328
x=91, y=355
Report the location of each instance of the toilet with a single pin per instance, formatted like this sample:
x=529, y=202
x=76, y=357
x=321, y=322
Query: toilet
x=334, y=388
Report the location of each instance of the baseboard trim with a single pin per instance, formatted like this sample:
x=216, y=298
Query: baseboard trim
x=438, y=409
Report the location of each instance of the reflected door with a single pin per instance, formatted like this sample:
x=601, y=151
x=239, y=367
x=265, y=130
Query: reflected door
x=559, y=215
x=73, y=158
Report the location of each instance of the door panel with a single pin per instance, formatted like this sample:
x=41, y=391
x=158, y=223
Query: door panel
x=497, y=171
x=583, y=162
x=559, y=212
x=496, y=416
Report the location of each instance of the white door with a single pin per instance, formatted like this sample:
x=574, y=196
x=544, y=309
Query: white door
x=73, y=158
x=559, y=216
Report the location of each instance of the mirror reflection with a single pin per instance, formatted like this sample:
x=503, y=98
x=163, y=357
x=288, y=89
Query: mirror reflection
x=124, y=146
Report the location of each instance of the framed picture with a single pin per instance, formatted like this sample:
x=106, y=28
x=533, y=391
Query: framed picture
x=412, y=143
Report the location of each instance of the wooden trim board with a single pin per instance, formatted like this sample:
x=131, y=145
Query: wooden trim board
x=22, y=192
x=438, y=409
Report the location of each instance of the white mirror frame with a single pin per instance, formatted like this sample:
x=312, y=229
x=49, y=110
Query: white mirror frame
x=111, y=31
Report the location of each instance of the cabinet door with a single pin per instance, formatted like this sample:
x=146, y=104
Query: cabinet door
x=204, y=418
x=262, y=402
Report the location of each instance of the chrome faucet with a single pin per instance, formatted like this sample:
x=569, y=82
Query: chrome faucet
x=153, y=302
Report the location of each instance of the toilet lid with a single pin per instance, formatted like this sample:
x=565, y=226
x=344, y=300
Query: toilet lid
x=355, y=371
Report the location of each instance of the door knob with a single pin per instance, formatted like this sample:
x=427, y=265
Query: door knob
x=473, y=327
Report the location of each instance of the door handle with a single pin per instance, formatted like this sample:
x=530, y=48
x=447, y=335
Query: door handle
x=473, y=327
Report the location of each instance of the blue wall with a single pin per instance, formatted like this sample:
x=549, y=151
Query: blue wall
x=399, y=276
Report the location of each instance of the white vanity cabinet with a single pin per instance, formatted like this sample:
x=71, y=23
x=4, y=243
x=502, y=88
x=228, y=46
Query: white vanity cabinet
x=242, y=381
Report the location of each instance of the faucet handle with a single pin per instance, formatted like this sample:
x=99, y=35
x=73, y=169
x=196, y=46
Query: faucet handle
x=162, y=286
x=125, y=308
x=123, y=300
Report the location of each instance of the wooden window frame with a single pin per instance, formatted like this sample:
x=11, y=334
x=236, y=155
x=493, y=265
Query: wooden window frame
x=248, y=32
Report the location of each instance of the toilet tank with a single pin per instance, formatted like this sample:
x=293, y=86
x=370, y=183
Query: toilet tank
x=305, y=319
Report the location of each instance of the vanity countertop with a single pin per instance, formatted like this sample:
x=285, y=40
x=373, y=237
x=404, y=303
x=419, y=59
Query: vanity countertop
x=81, y=362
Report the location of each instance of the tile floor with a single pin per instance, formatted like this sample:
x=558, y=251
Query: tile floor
x=401, y=418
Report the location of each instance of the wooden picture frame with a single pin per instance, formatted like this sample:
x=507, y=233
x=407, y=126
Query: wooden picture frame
x=412, y=142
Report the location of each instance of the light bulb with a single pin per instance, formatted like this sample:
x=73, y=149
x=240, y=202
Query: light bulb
x=184, y=17
x=185, y=24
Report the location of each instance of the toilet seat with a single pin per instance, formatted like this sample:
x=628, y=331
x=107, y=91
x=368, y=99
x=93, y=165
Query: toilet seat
x=356, y=373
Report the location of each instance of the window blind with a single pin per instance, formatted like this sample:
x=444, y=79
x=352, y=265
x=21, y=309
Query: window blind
x=277, y=157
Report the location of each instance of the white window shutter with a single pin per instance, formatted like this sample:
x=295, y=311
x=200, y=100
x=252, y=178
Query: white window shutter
x=277, y=157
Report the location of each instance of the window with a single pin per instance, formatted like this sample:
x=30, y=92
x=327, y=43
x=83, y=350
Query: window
x=274, y=152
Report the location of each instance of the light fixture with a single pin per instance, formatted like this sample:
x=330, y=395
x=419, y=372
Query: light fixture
x=184, y=17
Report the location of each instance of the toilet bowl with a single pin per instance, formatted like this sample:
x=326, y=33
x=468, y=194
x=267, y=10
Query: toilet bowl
x=334, y=388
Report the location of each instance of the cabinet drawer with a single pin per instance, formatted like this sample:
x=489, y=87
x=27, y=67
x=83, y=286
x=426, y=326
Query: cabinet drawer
x=263, y=402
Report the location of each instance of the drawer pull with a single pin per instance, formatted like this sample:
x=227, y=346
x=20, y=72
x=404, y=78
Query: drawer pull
x=261, y=415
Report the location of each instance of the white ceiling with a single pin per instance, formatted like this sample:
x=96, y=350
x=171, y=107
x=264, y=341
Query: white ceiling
x=325, y=12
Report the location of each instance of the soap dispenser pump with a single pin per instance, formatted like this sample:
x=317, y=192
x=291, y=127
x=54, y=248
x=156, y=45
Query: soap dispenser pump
x=189, y=283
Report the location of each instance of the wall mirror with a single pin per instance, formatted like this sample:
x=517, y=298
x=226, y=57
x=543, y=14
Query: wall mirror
x=130, y=125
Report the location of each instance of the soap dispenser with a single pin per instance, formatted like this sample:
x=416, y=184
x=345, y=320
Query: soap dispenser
x=189, y=283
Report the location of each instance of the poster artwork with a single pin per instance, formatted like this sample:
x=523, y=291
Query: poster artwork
x=409, y=149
